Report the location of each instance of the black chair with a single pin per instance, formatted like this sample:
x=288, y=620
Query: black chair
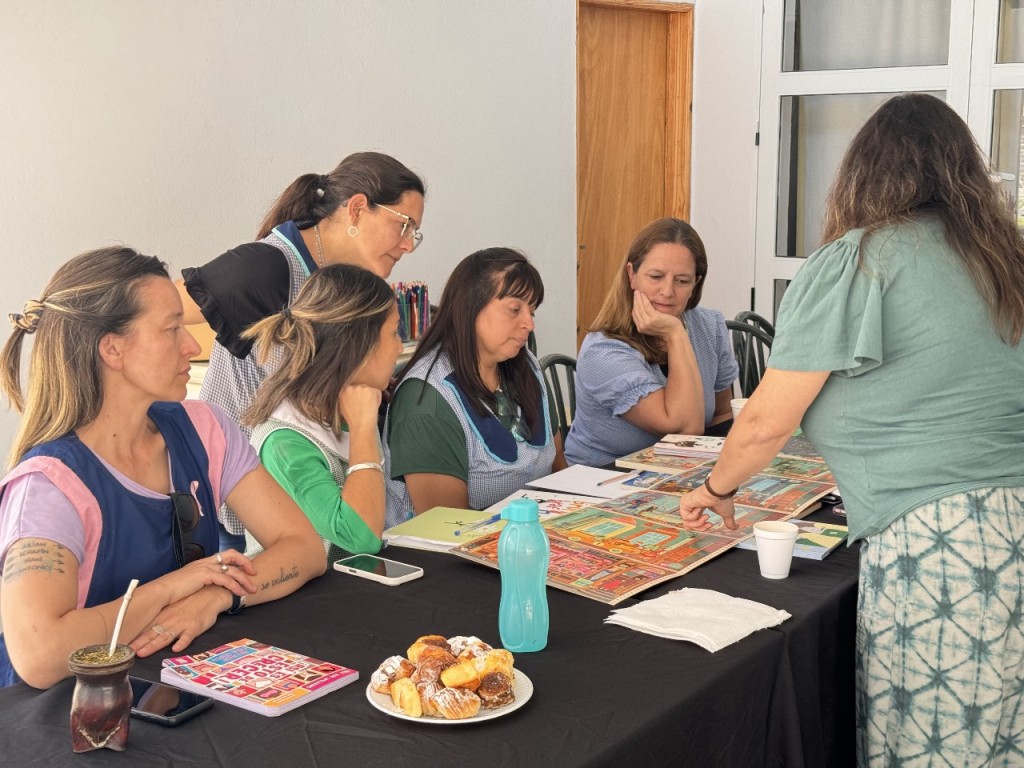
x=751, y=346
x=560, y=378
x=756, y=320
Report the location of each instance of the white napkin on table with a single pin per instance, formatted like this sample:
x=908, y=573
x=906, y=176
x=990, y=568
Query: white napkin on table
x=710, y=619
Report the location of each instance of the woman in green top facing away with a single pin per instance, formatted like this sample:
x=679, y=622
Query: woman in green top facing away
x=315, y=419
x=898, y=349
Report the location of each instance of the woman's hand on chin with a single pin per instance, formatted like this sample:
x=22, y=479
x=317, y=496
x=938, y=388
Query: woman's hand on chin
x=650, y=321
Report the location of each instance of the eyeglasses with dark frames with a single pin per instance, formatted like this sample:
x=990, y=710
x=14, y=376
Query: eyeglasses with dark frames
x=186, y=520
x=409, y=229
x=507, y=409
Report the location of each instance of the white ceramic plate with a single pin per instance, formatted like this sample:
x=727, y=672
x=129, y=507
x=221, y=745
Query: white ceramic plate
x=523, y=688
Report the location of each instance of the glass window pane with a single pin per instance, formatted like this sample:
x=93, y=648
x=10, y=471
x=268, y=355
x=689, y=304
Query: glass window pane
x=1010, y=46
x=1008, y=146
x=843, y=34
x=814, y=132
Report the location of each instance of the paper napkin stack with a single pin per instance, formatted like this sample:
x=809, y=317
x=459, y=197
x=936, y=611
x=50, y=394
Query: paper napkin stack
x=710, y=619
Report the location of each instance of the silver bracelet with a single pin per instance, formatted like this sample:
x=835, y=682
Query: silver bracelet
x=365, y=465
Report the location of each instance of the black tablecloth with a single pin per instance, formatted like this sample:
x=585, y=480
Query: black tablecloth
x=604, y=695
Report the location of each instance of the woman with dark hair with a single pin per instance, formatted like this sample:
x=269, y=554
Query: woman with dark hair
x=469, y=422
x=315, y=419
x=114, y=479
x=366, y=212
x=898, y=351
x=654, y=362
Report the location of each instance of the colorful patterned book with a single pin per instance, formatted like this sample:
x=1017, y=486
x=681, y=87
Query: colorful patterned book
x=255, y=676
x=814, y=541
x=676, y=445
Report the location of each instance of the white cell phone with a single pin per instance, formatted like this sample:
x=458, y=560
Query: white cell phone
x=380, y=569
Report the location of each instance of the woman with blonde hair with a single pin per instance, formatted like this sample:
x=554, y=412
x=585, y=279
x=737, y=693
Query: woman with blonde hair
x=113, y=478
x=898, y=351
x=315, y=419
x=654, y=361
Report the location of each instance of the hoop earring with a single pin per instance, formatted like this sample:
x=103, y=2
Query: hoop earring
x=353, y=230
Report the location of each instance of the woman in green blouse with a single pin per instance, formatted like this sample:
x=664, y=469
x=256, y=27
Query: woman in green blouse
x=315, y=418
x=898, y=351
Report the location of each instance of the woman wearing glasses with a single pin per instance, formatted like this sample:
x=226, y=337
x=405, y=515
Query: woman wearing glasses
x=315, y=419
x=365, y=212
x=115, y=479
x=469, y=422
x=654, y=362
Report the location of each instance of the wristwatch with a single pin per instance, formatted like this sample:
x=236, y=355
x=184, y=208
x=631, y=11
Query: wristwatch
x=237, y=604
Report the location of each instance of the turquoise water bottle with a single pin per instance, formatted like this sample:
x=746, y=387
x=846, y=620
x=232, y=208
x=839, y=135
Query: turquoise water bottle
x=523, y=553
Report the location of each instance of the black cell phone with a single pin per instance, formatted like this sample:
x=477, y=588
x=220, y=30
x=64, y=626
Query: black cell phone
x=165, y=704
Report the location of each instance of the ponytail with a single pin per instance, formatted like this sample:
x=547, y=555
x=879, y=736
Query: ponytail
x=304, y=201
x=313, y=197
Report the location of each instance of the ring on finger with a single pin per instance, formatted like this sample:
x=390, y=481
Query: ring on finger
x=220, y=560
x=158, y=629
x=223, y=567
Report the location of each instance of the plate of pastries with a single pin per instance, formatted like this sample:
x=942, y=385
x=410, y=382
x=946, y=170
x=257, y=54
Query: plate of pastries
x=449, y=681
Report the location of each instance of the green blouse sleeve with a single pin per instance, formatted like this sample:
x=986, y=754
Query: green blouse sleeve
x=831, y=315
x=424, y=434
x=302, y=470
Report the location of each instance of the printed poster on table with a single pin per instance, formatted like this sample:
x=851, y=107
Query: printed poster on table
x=616, y=548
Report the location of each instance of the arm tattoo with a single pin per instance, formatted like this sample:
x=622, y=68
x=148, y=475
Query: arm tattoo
x=34, y=556
x=281, y=578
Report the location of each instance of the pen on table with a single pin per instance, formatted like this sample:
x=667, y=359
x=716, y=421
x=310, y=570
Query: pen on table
x=620, y=478
x=480, y=524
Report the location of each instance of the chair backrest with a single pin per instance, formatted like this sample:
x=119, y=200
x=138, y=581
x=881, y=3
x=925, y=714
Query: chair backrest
x=560, y=378
x=756, y=320
x=751, y=346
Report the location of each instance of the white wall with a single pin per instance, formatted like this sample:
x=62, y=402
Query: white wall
x=171, y=125
x=727, y=58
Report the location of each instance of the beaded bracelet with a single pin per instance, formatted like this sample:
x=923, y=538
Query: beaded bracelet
x=365, y=465
x=707, y=485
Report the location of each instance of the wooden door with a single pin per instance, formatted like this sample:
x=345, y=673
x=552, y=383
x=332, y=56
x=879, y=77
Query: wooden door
x=634, y=87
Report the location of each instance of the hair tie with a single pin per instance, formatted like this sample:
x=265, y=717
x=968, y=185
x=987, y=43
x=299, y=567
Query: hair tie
x=321, y=182
x=286, y=313
x=29, y=321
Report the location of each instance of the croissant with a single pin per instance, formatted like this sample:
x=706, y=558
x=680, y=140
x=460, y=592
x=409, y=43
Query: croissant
x=456, y=703
x=429, y=670
x=460, y=644
x=391, y=669
x=427, y=691
x=425, y=641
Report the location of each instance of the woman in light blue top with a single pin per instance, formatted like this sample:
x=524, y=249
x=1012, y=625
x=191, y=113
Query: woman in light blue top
x=654, y=362
x=900, y=339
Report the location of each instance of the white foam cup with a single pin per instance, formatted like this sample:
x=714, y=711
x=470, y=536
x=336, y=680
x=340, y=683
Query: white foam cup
x=737, y=404
x=775, y=541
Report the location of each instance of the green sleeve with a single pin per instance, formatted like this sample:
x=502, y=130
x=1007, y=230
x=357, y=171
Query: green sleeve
x=303, y=471
x=424, y=434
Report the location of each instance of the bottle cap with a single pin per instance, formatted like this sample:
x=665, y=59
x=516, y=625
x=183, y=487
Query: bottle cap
x=521, y=511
